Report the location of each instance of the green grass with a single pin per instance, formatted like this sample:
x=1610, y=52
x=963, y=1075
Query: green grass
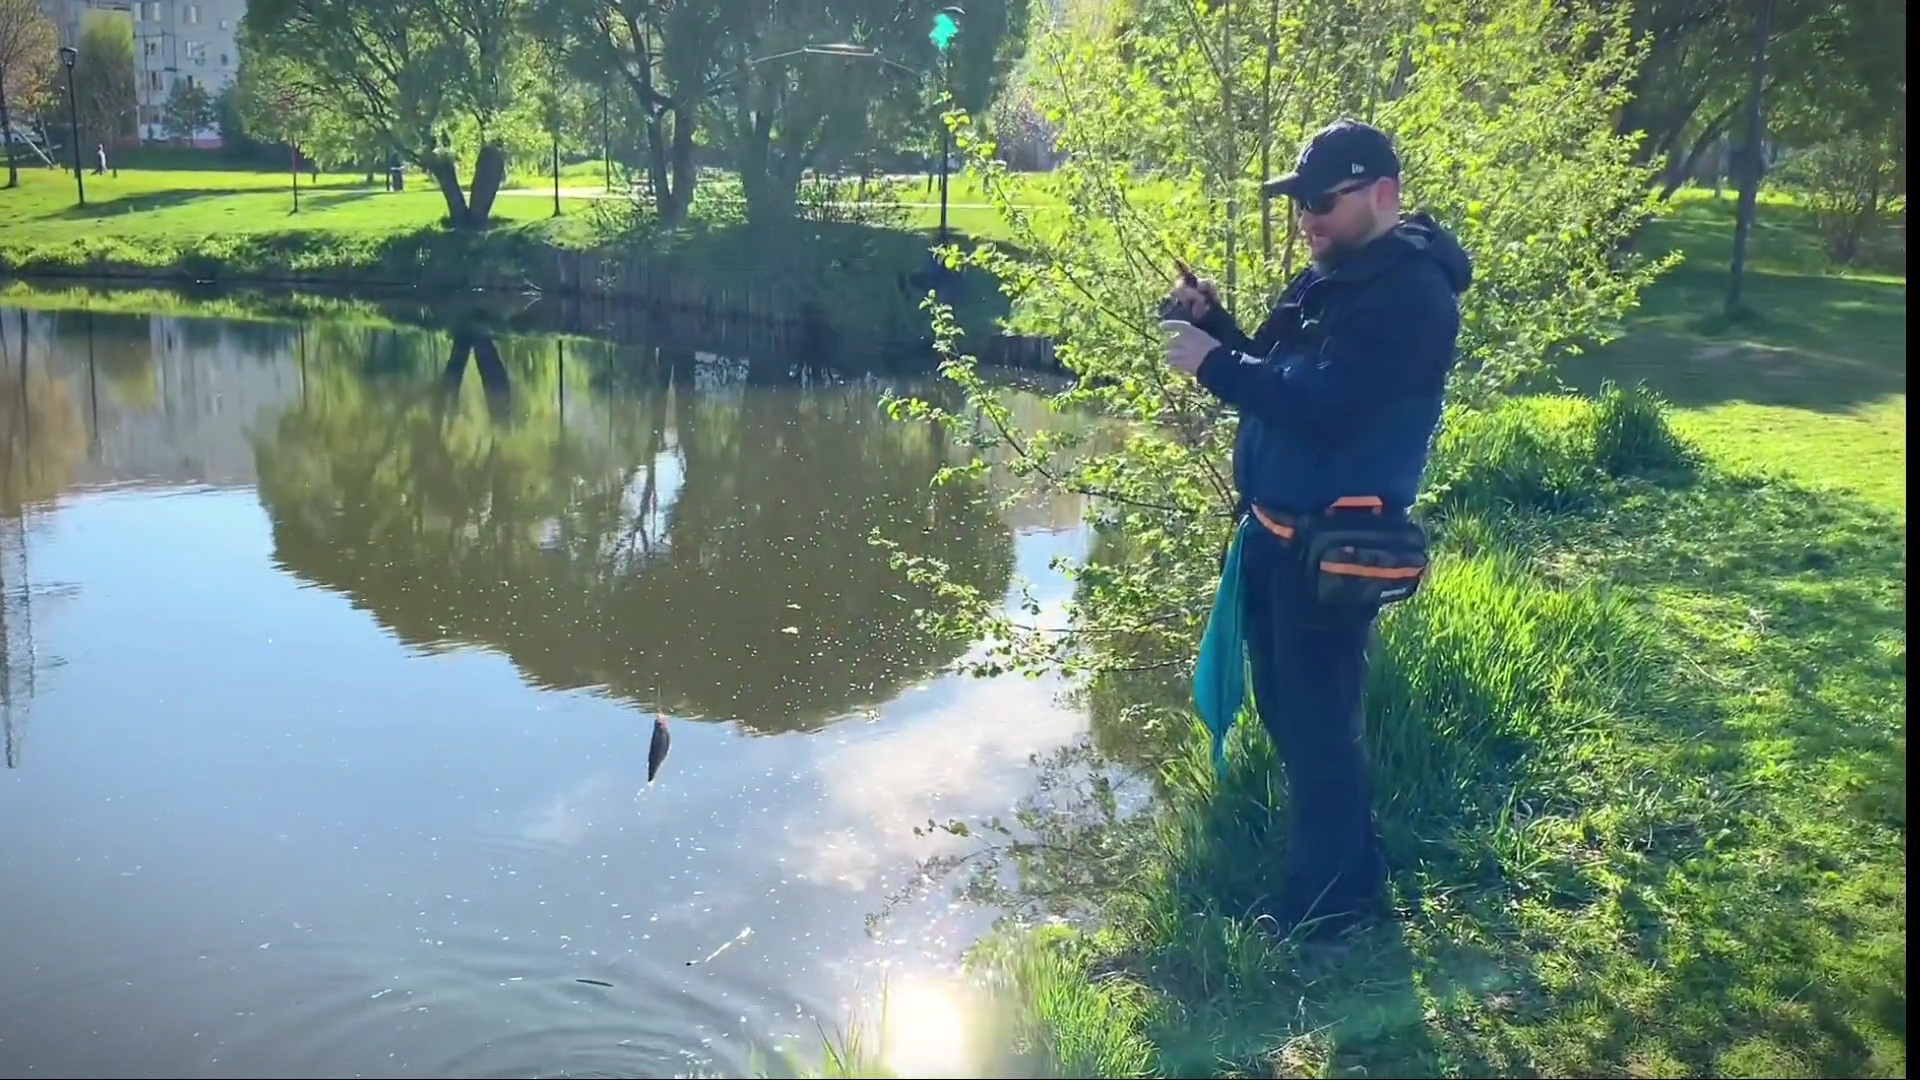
x=1641, y=745
x=150, y=217
x=167, y=212
x=235, y=228
x=1813, y=383
x=1642, y=759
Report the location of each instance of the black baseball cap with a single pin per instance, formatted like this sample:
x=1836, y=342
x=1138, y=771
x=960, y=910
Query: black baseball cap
x=1343, y=151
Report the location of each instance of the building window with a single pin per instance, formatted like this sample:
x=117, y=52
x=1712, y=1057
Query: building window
x=193, y=13
x=223, y=59
x=153, y=48
x=223, y=24
x=153, y=81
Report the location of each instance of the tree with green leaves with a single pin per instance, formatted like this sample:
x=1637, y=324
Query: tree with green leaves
x=661, y=54
x=189, y=111
x=777, y=89
x=278, y=104
x=1828, y=59
x=784, y=105
x=27, y=43
x=1847, y=118
x=434, y=82
x=1170, y=113
x=563, y=102
x=104, y=77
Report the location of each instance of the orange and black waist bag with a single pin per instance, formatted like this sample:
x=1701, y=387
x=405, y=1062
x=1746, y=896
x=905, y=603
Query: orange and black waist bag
x=1355, y=555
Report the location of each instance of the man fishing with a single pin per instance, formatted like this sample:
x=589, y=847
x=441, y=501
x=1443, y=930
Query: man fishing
x=1339, y=394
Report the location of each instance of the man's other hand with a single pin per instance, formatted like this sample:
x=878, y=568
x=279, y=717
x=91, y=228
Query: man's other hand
x=1193, y=302
x=1187, y=345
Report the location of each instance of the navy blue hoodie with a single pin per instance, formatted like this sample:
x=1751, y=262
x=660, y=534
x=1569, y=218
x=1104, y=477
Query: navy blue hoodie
x=1340, y=391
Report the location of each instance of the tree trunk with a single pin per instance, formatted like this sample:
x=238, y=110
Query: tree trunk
x=1753, y=159
x=769, y=180
x=680, y=161
x=489, y=172
x=441, y=169
x=1703, y=142
x=6, y=132
x=657, y=163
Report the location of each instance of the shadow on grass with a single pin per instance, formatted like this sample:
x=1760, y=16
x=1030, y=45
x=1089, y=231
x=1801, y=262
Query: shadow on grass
x=335, y=197
x=1810, y=586
x=1818, y=338
x=1757, y=851
x=153, y=200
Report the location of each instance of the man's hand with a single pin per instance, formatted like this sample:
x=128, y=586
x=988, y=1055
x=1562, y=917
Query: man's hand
x=1187, y=345
x=1193, y=302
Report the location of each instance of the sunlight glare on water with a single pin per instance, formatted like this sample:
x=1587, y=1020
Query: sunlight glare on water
x=925, y=1030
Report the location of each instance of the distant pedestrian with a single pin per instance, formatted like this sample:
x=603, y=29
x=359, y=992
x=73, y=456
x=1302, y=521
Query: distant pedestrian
x=100, y=159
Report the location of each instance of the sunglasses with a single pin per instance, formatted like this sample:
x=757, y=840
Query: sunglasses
x=1324, y=202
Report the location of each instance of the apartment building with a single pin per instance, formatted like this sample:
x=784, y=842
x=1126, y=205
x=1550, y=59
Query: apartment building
x=191, y=41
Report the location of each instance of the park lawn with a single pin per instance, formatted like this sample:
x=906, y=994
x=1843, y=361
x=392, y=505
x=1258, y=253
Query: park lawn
x=178, y=208
x=1814, y=383
x=1642, y=752
x=1642, y=747
x=154, y=213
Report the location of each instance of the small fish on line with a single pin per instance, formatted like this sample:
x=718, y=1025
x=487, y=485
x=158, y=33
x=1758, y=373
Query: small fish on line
x=657, y=749
x=594, y=982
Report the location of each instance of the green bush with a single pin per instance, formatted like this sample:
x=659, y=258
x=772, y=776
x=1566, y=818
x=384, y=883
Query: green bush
x=1554, y=453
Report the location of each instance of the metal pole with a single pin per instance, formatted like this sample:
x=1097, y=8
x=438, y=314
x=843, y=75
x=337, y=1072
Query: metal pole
x=556, y=174
x=73, y=120
x=946, y=140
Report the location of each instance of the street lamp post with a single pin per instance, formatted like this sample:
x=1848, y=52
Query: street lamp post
x=68, y=56
x=945, y=27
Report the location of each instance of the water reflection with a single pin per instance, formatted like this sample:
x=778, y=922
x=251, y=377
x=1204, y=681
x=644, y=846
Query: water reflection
x=42, y=439
x=343, y=775
x=706, y=551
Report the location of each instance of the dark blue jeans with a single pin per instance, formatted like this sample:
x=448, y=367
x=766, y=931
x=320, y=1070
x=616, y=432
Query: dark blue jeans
x=1309, y=683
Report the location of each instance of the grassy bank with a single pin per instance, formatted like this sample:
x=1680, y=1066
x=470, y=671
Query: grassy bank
x=181, y=226
x=1641, y=746
x=238, y=227
x=1642, y=755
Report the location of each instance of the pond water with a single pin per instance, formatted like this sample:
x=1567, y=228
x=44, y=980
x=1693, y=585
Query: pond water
x=331, y=659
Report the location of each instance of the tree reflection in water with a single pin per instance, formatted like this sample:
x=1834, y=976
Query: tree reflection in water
x=604, y=523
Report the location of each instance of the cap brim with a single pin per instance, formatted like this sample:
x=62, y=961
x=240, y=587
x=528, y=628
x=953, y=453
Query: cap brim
x=1280, y=186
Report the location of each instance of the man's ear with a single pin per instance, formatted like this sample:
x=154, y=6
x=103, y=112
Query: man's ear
x=1386, y=194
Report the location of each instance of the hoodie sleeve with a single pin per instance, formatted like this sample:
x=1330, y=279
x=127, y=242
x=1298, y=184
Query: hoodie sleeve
x=1273, y=329
x=1399, y=344
x=1227, y=332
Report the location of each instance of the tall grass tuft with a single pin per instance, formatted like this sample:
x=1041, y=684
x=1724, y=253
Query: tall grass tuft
x=1556, y=454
